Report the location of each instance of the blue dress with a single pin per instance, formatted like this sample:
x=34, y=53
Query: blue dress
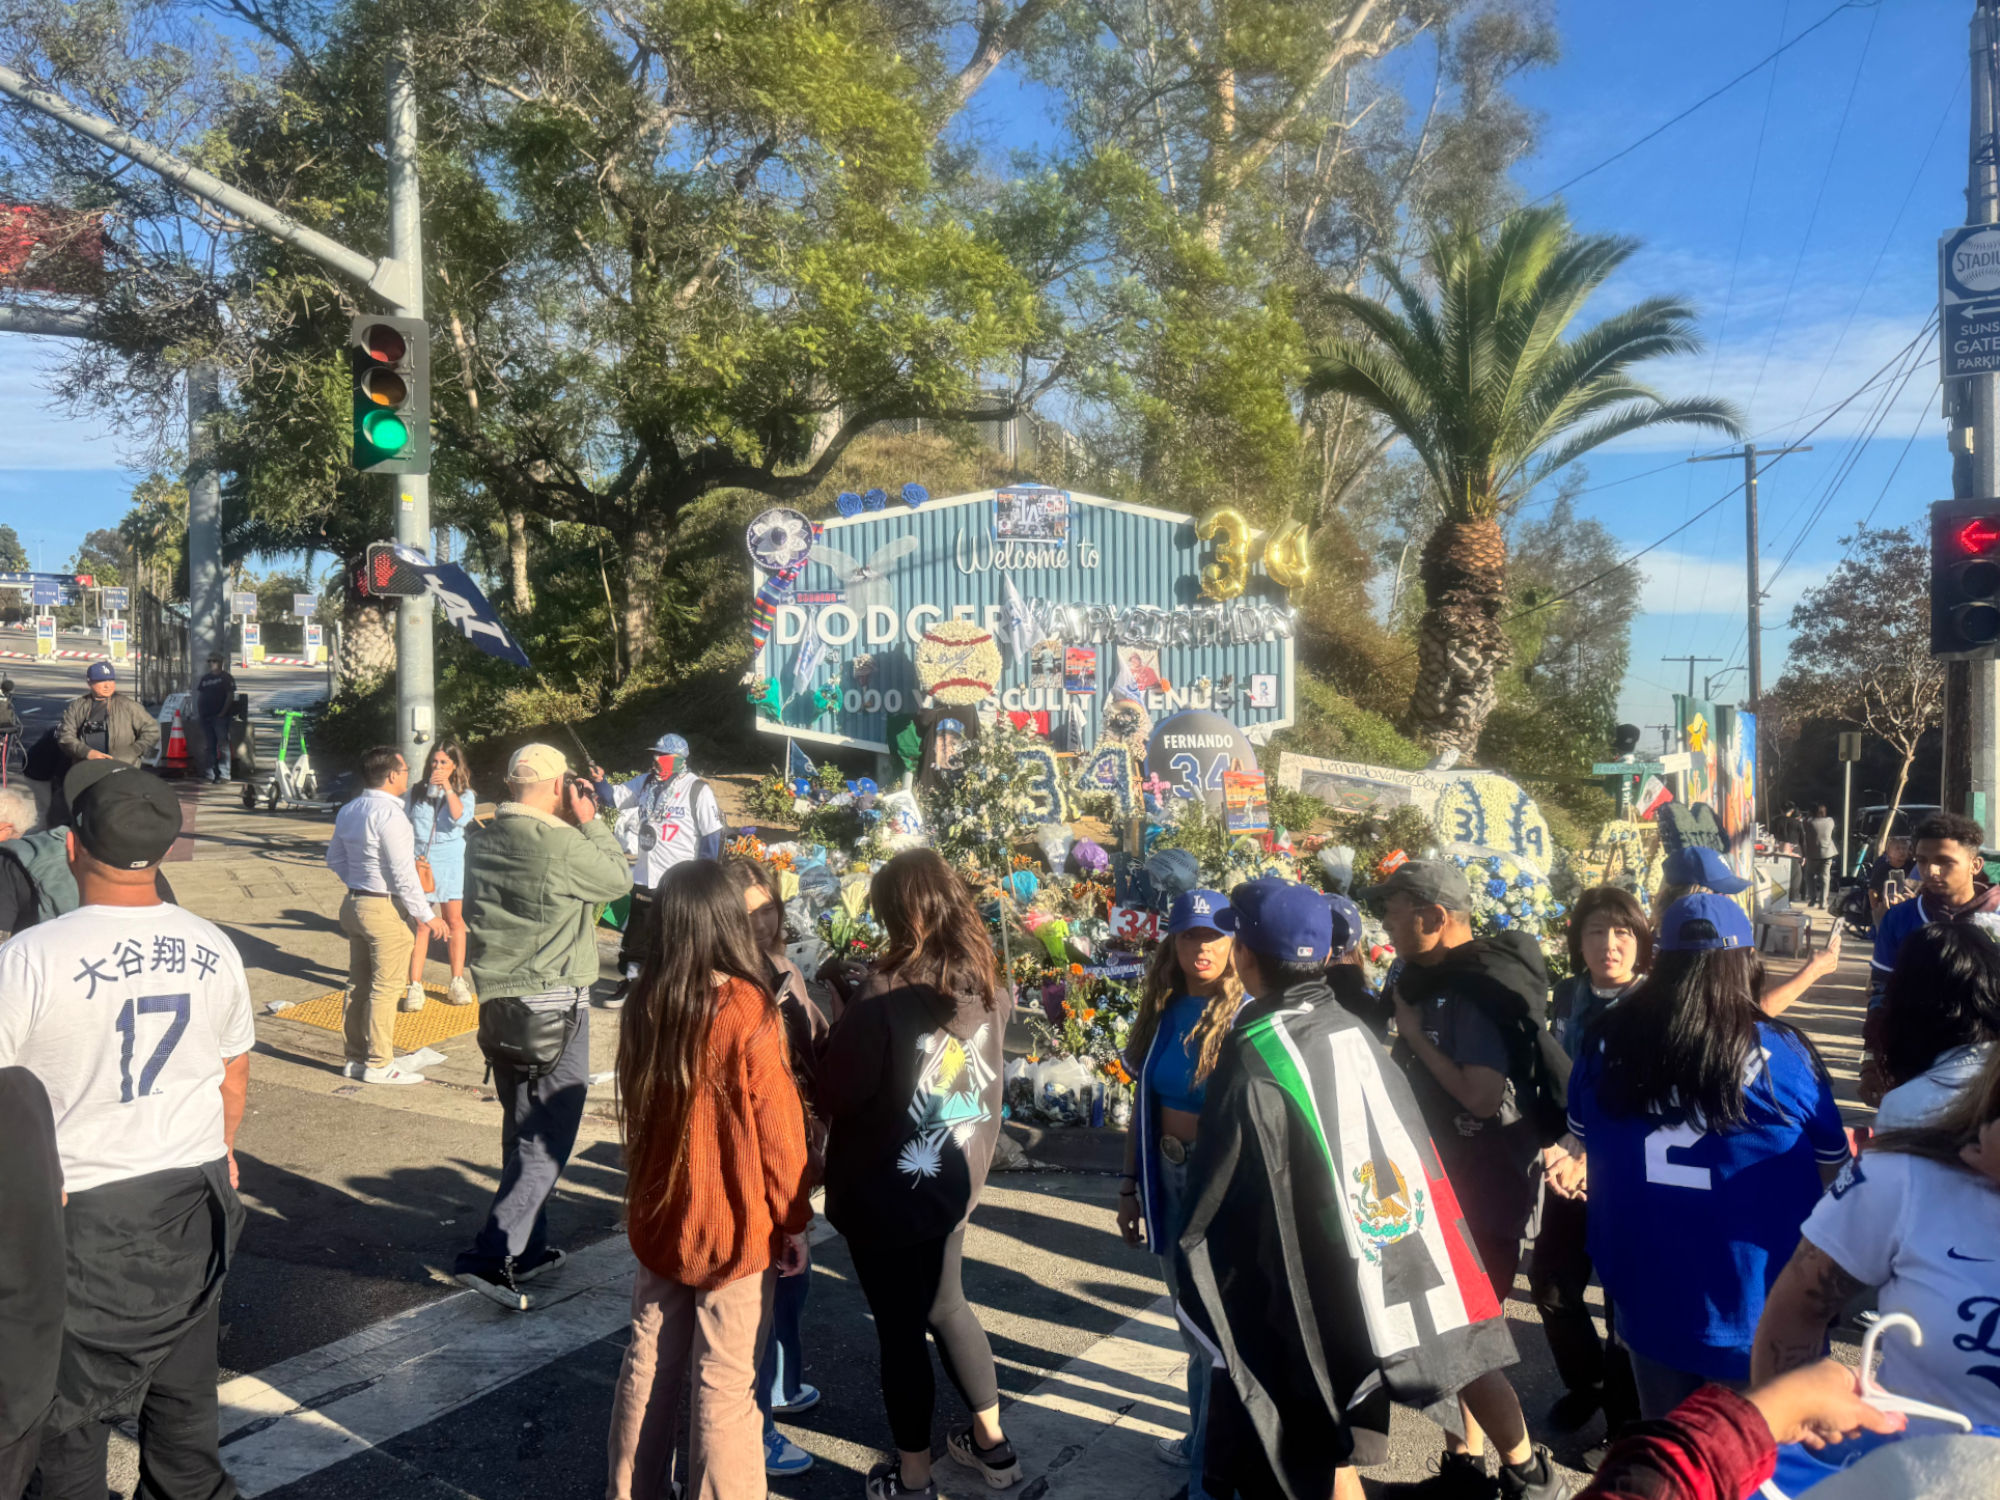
x=434, y=825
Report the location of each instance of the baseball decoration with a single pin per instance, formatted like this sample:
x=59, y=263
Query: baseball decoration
x=779, y=539
x=958, y=662
x=1127, y=723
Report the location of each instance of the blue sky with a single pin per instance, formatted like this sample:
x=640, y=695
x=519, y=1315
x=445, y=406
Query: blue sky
x=1803, y=230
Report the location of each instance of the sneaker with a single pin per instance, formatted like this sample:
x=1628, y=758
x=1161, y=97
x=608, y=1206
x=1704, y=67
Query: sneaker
x=805, y=1400
x=529, y=1267
x=885, y=1482
x=498, y=1285
x=1594, y=1456
x=353, y=1069
x=1535, y=1480
x=460, y=992
x=413, y=998
x=1171, y=1451
x=999, y=1465
x=1573, y=1408
x=783, y=1456
x=1459, y=1476
x=616, y=999
x=390, y=1074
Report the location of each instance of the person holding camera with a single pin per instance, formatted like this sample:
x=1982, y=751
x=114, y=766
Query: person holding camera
x=534, y=881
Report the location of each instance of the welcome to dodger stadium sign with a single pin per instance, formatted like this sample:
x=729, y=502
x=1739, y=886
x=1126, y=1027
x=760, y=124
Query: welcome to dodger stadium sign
x=1114, y=591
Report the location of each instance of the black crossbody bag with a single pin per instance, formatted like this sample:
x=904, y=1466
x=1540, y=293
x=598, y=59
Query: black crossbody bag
x=529, y=1039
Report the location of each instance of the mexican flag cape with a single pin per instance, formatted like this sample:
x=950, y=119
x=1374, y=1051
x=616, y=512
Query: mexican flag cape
x=1325, y=1259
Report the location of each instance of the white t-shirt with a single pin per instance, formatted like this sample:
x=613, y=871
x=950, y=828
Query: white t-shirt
x=1928, y=1235
x=1924, y=1097
x=126, y=1014
x=674, y=817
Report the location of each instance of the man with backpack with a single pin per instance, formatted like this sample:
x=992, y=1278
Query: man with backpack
x=1469, y=1042
x=666, y=816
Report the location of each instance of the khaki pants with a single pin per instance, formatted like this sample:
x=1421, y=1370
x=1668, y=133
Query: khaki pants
x=718, y=1336
x=379, y=945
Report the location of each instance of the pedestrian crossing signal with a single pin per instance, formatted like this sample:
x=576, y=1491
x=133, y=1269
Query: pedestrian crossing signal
x=1965, y=578
x=386, y=575
x=389, y=363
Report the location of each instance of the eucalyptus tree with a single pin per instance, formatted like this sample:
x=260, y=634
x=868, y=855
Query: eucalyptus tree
x=1494, y=393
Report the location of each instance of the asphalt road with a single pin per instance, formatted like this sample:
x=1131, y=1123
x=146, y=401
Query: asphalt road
x=359, y=1198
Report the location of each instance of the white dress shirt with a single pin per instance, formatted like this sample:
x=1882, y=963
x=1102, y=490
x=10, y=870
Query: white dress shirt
x=374, y=849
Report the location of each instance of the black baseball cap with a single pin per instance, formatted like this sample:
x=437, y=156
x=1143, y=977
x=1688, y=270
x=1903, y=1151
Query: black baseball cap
x=122, y=816
x=1428, y=882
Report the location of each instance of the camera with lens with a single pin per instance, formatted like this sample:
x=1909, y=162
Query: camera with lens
x=571, y=779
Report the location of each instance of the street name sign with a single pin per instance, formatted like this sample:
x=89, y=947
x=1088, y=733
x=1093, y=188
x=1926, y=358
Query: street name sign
x=1969, y=301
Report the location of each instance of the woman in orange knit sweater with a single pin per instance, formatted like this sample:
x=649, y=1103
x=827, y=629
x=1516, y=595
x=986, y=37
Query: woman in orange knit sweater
x=715, y=1192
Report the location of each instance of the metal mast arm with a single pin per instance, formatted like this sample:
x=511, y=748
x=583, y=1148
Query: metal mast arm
x=388, y=278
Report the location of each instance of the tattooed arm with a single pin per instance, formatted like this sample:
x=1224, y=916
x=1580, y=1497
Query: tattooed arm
x=1810, y=1293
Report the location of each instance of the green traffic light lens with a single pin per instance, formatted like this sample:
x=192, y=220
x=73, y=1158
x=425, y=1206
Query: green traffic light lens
x=385, y=431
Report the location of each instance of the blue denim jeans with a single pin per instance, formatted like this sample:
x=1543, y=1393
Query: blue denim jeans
x=778, y=1380
x=1173, y=1188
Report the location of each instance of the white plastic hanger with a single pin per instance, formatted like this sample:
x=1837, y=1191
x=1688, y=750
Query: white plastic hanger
x=1882, y=1400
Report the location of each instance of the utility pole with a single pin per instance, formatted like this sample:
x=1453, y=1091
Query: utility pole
x=411, y=508
x=1666, y=737
x=208, y=608
x=1691, y=660
x=1710, y=679
x=1755, y=589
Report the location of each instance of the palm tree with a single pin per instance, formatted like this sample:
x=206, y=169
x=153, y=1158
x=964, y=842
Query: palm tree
x=1494, y=398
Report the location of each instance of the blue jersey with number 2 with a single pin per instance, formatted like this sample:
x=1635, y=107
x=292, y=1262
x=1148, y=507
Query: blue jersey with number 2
x=1690, y=1227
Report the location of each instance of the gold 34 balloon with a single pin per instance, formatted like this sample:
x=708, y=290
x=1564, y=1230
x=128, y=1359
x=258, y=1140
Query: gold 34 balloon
x=1287, y=557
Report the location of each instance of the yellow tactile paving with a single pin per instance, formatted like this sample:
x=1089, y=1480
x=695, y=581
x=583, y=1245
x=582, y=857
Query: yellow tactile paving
x=436, y=1022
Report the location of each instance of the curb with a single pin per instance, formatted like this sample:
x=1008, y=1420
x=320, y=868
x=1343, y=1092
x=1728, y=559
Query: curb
x=1069, y=1148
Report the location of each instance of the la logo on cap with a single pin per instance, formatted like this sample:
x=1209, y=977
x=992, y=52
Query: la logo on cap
x=1201, y=905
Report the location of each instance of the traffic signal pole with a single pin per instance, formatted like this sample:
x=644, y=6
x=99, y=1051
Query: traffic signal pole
x=416, y=684
x=396, y=279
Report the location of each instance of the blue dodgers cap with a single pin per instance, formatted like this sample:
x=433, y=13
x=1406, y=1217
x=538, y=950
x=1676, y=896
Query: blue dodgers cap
x=1697, y=864
x=1197, y=909
x=1346, y=925
x=1274, y=919
x=1704, y=924
x=670, y=744
x=101, y=671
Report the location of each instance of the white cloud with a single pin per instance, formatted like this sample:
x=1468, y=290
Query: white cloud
x=40, y=436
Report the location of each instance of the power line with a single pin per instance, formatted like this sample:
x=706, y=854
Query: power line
x=1706, y=99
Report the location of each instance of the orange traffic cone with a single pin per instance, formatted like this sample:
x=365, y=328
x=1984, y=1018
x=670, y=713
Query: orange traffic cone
x=177, y=746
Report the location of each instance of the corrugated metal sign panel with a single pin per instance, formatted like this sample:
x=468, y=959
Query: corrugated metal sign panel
x=872, y=603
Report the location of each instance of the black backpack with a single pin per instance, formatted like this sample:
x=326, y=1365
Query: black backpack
x=46, y=758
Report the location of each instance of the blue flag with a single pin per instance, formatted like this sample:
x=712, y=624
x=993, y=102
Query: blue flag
x=466, y=608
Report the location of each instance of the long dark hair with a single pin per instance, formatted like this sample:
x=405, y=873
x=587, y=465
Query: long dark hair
x=1944, y=992
x=936, y=936
x=1624, y=910
x=700, y=931
x=1680, y=1044
x=451, y=750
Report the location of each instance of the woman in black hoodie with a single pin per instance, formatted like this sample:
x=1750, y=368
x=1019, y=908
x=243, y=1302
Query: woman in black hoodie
x=910, y=1087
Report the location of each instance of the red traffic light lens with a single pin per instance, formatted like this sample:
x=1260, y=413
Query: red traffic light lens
x=384, y=344
x=1979, y=535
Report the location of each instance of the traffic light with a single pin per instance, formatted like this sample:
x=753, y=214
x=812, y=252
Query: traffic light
x=386, y=575
x=1965, y=578
x=390, y=362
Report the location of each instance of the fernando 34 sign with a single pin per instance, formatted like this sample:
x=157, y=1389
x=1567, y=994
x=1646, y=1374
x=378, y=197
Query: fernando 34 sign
x=1112, y=594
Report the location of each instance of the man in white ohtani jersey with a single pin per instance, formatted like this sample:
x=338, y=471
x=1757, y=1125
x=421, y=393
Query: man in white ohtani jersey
x=677, y=819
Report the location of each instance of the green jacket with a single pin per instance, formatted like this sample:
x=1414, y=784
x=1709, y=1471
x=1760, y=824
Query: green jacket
x=45, y=857
x=533, y=887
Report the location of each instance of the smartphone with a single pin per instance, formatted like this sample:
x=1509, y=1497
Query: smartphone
x=1895, y=885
